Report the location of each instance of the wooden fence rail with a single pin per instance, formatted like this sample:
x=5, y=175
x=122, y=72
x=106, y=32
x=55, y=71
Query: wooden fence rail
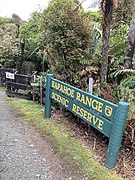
x=18, y=85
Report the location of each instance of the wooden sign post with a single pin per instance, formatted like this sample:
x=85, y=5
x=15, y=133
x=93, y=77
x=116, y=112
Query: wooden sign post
x=106, y=117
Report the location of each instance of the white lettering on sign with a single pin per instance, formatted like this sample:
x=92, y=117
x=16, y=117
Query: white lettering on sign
x=10, y=75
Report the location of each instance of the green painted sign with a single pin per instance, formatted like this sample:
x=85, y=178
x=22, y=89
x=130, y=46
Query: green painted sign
x=103, y=115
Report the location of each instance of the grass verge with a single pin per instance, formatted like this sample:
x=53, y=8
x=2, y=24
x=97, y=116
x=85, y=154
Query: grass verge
x=2, y=88
x=68, y=147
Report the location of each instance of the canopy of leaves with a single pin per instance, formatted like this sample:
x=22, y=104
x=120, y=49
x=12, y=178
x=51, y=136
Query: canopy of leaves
x=30, y=33
x=124, y=11
x=67, y=33
x=9, y=42
x=31, y=40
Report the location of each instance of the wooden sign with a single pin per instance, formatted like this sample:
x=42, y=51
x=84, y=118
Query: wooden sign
x=106, y=117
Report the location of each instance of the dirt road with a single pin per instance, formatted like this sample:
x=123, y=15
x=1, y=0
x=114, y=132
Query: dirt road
x=24, y=153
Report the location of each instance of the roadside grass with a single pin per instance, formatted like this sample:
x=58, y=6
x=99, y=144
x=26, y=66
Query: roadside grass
x=68, y=147
x=2, y=88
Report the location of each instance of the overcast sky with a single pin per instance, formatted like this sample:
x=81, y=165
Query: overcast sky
x=24, y=8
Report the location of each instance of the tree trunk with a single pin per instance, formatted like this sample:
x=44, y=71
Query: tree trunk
x=131, y=44
x=107, y=8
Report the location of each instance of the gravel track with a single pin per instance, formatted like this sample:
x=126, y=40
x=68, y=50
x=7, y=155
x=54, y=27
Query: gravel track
x=24, y=154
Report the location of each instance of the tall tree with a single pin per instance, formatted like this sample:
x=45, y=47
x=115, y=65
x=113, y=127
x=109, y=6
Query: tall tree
x=131, y=43
x=9, y=43
x=17, y=21
x=107, y=8
x=31, y=41
x=67, y=34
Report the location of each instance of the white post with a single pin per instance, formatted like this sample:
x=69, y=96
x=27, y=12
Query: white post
x=90, y=85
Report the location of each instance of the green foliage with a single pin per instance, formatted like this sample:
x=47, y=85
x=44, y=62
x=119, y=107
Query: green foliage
x=124, y=11
x=118, y=39
x=67, y=34
x=117, y=46
x=94, y=16
x=30, y=33
x=124, y=78
x=32, y=40
x=2, y=20
x=16, y=20
x=9, y=43
x=93, y=53
x=126, y=88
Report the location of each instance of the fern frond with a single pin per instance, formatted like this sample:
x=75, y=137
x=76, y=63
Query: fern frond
x=129, y=81
x=123, y=71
